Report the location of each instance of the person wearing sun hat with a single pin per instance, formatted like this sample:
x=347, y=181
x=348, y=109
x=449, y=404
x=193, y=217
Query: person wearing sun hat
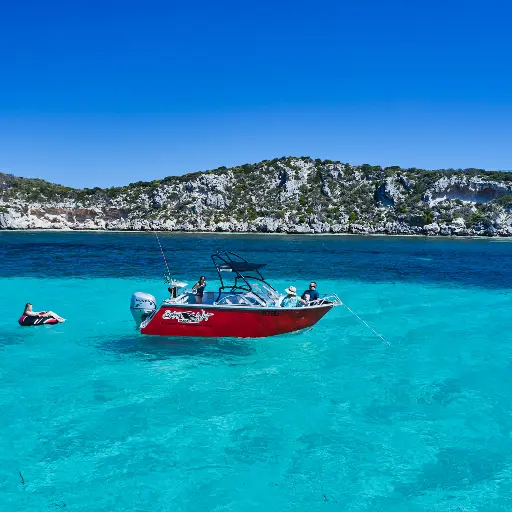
x=291, y=300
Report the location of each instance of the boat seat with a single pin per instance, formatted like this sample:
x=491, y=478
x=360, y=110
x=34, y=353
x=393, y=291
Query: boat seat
x=209, y=297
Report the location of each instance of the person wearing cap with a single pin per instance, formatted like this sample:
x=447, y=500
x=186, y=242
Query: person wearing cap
x=291, y=300
x=310, y=295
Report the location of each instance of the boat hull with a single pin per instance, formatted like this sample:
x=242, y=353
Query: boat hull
x=232, y=322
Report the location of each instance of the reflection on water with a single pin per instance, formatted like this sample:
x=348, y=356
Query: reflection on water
x=159, y=347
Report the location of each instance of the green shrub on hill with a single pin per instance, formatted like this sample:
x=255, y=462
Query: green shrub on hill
x=327, y=191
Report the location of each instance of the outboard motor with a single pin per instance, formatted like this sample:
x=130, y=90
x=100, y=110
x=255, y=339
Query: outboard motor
x=142, y=305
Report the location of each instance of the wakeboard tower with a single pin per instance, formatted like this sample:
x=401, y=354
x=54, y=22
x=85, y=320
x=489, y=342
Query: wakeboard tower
x=244, y=306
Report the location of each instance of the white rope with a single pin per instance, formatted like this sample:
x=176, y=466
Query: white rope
x=371, y=329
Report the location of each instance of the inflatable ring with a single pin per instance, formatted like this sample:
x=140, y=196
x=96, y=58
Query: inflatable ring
x=30, y=321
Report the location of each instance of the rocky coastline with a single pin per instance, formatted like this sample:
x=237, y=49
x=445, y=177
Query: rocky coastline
x=286, y=195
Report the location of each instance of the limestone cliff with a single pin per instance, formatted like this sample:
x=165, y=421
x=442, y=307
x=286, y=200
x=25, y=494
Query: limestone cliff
x=287, y=195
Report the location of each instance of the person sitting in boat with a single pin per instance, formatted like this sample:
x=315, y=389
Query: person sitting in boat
x=292, y=300
x=310, y=295
x=28, y=312
x=199, y=289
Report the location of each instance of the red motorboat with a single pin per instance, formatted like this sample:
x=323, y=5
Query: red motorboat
x=247, y=307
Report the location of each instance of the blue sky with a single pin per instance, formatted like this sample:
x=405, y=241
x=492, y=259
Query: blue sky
x=107, y=93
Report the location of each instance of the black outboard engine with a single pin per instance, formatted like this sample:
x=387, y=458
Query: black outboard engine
x=142, y=305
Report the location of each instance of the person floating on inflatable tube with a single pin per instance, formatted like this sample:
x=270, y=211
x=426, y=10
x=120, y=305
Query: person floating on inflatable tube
x=30, y=317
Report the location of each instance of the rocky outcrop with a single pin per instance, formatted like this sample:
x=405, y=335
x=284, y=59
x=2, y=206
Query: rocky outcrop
x=391, y=191
x=464, y=188
x=287, y=195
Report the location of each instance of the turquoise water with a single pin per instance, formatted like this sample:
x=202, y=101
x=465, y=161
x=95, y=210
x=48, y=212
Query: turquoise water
x=97, y=417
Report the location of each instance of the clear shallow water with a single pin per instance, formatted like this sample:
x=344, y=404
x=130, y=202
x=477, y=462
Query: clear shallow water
x=97, y=417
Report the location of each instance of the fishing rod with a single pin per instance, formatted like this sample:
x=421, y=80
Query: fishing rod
x=371, y=328
x=168, y=275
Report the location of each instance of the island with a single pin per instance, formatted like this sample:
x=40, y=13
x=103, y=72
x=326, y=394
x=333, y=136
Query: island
x=283, y=195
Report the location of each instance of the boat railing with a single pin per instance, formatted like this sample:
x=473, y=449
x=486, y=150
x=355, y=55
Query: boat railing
x=326, y=299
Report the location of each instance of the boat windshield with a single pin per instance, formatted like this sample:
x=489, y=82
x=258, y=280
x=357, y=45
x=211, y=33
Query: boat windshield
x=268, y=294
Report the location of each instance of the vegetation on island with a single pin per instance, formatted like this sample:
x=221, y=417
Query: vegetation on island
x=285, y=194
